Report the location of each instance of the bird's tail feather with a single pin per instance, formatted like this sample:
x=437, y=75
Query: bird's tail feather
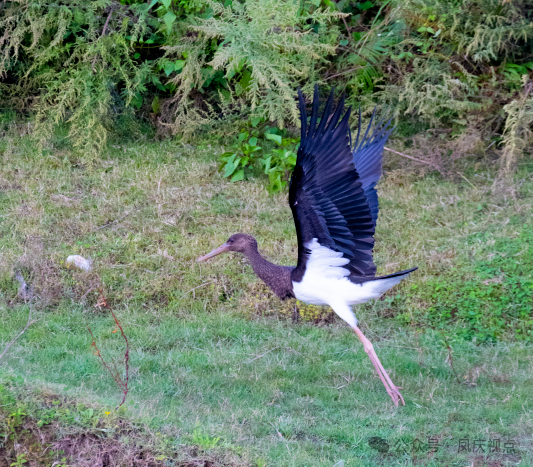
x=379, y=285
x=396, y=274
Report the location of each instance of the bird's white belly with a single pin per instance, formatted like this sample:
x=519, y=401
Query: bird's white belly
x=325, y=282
x=325, y=290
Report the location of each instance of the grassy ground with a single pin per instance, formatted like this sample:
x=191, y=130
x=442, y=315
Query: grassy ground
x=216, y=361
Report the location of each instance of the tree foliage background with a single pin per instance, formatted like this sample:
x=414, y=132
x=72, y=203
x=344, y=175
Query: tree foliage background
x=463, y=68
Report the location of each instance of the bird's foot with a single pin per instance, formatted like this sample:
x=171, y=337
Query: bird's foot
x=395, y=394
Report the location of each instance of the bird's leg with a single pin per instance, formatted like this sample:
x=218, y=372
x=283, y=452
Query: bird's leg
x=392, y=389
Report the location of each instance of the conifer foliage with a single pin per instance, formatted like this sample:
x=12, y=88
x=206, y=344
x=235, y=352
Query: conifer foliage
x=188, y=65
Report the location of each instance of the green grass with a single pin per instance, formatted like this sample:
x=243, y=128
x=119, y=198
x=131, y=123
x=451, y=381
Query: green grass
x=215, y=359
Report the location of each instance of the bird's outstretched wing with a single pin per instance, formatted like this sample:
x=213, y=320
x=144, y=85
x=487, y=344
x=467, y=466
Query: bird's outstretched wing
x=326, y=193
x=367, y=156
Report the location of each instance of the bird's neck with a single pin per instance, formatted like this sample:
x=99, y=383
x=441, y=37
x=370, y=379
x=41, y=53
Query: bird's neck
x=278, y=278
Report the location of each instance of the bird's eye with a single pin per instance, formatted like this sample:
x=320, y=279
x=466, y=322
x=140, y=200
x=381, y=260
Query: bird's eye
x=230, y=241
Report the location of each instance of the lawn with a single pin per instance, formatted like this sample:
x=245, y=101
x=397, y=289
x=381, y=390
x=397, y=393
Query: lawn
x=217, y=362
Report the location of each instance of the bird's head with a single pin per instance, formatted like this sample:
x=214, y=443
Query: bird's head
x=242, y=243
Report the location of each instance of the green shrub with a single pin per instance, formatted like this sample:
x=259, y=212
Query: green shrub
x=193, y=65
x=246, y=158
x=240, y=160
x=279, y=164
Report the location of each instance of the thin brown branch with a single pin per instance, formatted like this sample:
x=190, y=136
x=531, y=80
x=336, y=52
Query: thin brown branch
x=28, y=324
x=346, y=25
x=414, y=158
x=117, y=220
x=103, y=34
x=261, y=356
x=450, y=359
x=194, y=288
x=346, y=71
x=86, y=293
x=122, y=382
x=126, y=359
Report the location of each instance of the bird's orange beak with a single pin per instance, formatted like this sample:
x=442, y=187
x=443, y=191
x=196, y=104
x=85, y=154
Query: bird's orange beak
x=217, y=251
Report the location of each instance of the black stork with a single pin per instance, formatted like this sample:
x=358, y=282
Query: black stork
x=334, y=203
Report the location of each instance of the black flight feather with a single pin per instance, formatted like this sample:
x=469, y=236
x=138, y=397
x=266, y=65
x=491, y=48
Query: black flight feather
x=367, y=156
x=331, y=200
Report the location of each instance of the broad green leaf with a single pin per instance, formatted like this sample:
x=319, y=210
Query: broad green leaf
x=169, y=19
x=422, y=29
x=430, y=30
x=242, y=136
x=343, y=42
x=267, y=163
x=152, y=3
x=229, y=169
x=276, y=138
x=179, y=64
x=137, y=101
x=366, y=6
x=158, y=83
x=275, y=184
x=245, y=80
x=168, y=67
x=155, y=104
x=252, y=141
x=241, y=64
x=230, y=73
x=239, y=175
x=136, y=56
x=166, y=3
x=255, y=121
x=225, y=94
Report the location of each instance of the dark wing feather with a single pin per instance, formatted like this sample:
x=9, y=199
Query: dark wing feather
x=367, y=155
x=327, y=199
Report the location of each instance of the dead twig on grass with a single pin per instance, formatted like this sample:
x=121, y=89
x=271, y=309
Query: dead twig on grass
x=450, y=358
x=194, y=288
x=260, y=356
x=117, y=220
x=28, y=324
x=415, y=159
x=122, y=382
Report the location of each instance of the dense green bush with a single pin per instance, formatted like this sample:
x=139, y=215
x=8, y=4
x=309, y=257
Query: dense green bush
x=275, y=157
x=188, y=65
